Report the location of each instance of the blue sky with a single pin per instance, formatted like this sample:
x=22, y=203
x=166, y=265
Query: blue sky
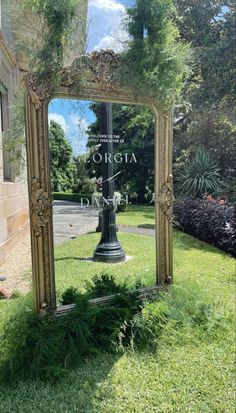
x=105, y=28
x=105, y=31
x=74, y=117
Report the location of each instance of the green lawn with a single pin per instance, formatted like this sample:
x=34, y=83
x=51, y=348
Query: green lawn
x=188, y=372
x=72, y=270
x=137, y=215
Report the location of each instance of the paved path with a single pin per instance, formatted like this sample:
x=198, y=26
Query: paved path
x=70, y=220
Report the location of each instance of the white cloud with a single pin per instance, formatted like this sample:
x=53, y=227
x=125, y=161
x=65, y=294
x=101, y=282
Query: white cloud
x=107, y=5
x=59, y=119
x=105, y=43
x=115, y=41
x=105, y=27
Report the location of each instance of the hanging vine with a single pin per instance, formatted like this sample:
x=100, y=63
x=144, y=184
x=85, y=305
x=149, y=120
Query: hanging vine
x=42, y=32
x=50, y=38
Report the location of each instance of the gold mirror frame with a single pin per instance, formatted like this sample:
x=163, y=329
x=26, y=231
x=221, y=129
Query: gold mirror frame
x=90, y=77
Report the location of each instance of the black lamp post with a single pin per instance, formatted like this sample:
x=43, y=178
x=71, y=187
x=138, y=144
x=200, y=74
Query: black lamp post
x=109, y=248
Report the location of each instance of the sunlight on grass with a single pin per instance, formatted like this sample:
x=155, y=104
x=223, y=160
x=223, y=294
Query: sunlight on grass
x=72, y=270
x=211, y=268
x=137, y=215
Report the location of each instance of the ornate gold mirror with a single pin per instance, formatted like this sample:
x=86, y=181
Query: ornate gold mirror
x=91, y=80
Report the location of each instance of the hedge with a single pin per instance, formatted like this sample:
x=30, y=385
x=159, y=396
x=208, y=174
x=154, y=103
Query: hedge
x=73, y=197
x=208, y=221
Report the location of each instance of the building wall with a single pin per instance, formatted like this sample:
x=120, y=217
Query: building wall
x=14, y=213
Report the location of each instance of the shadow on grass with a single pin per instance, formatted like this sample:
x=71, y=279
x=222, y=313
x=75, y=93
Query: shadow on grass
x=189, y=242
x=146, y=226
x=77, y=392
x=84, y=259
x=149, y=215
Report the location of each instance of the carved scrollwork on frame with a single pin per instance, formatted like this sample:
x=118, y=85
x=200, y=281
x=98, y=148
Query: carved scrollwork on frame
x=98, y=73
x=39, y=91
x=165, y=198
x=97, y=68
x=41, y=207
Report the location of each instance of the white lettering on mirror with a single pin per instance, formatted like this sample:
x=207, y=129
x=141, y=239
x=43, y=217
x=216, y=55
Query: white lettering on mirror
x=109, y=158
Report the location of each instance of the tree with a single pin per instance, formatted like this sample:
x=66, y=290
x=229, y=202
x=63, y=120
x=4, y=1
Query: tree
x=160, y=62
x=156, y=54
x=209, y=26
x=84, y=184
x=135, y=125
x=204, y=114
x=62, y=168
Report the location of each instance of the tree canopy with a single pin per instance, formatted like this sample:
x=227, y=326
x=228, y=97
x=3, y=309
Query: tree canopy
x=62, y=168
x=204, y=109
x=156, y=53
x=208, y=120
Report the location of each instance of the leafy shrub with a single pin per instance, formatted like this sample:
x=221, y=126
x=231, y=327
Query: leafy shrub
x=69, y=296
x=86, y=186
x=71, y=197
x=99, y=287
x=202, y=176
x=46, y=347
x=104, y=285
x=121, y=207
x=208, y=221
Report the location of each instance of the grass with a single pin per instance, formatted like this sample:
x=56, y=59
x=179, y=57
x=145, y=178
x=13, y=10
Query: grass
x=187, y=380
x=191, y=370
x=137, y=215
x=72, y=270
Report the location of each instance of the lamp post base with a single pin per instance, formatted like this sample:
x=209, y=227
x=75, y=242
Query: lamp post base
x=109, y=249
x=109, y=253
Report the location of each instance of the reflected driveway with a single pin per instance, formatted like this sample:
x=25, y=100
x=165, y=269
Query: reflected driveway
x=71, y=220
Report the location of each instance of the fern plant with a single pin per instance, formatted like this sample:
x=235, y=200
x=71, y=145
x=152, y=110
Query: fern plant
x=201, y=177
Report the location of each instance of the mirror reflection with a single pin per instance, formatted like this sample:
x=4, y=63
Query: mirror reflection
x=102, y=181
